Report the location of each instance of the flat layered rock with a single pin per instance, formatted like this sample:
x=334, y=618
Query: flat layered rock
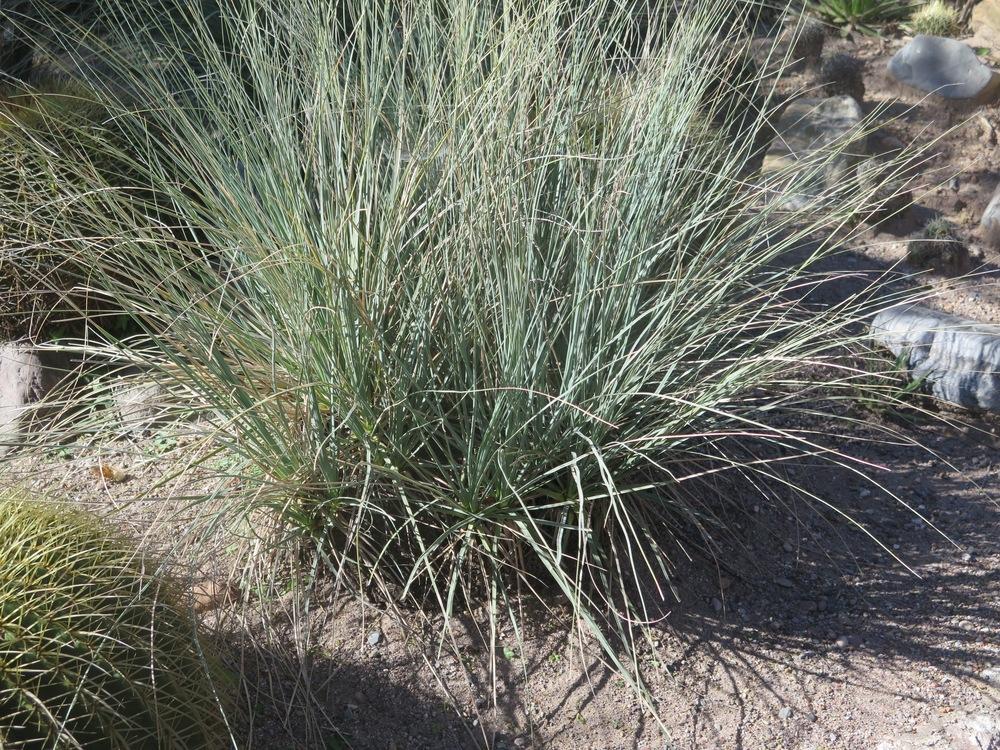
x=958, y=359
x=946, y=68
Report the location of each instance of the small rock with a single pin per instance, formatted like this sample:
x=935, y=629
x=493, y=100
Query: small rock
x=990, y=221
x=843, y=642
x=140, y=404
x=810, y=717
x=374, y=637
x=946, y=68
x=784, y=582
x=787, y=546
x=716, y=604
x=209, y=594
x=991, y=675
x=785, y=713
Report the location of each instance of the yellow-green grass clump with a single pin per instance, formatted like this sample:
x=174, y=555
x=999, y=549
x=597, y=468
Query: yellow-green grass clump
x=96, y=651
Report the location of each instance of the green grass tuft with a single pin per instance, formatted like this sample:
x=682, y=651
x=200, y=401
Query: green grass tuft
x=483, y=302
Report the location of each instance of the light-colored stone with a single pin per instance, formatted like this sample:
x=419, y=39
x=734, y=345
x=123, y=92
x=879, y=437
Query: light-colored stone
x=809, y=132
x=27, y=375
x=946, y=68
x=985, y=21
x=210, y=594
x=140, y=404
x=990, y=221
x=958, y=359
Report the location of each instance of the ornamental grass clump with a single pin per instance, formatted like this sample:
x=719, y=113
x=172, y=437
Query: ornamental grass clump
x=96, y=651
x=481, y=309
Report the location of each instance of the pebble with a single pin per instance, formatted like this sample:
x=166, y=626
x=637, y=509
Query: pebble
x=785, y=713
x=810, y=717
x=843, y=642
x=787, y=546
x=991, y=675
x=783, y=582
x=374, y=637
x=716, y=604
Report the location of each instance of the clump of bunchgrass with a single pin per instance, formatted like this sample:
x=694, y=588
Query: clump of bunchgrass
x=479, y=310
x=96, y=651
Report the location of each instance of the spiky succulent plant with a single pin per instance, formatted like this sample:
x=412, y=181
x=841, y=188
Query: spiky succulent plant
x=843, y=75
x=809, y=42
x=935, y=18
x=939, y=248
x=96, y=651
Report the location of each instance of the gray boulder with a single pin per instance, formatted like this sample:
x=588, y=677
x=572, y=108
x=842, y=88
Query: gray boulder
x=959, y=359
x=946, y=68
x=812, y=131
x=27, y=376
